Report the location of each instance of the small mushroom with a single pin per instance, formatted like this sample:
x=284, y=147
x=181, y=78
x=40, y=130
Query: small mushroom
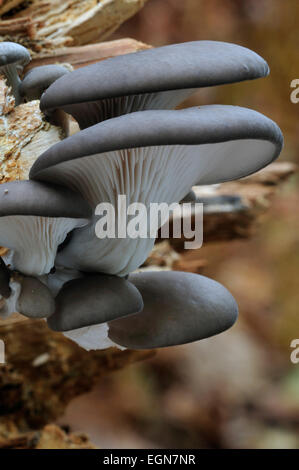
x=179, y=308
x=152, y=157
x=159, y=78
x=34, y=219
x=35, y=299
x=38, y=79
x=92, y=300
x=13, y=56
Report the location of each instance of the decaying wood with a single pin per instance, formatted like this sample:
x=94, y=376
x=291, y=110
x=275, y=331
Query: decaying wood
x=46, y=23
x=89, y=54
x=18, y=27
x=24, y=135
x=44, y=371
x=50, y=437
x=8, y=5
x=232, y=210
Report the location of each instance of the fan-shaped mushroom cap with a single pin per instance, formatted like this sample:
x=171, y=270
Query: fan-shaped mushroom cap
x=35, y=299
x=92, y=300
x=158, y=78
x=13, y=53
x=11, y=56
x=38, y=79
x=178, y=308
x=152, y=157
x=34, y=219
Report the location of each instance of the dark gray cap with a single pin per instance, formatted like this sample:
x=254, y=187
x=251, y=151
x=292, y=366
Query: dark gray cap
x=43, y=200
x=249, y=140
x=38, y=79
x=92, y=300
x=13, y=53
x=35, y=218
x=12, y=56
x=176, y=67
x=179, y=308
x=35, y=299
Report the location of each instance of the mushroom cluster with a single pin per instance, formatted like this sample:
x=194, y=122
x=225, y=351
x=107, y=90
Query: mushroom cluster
x=131, y=142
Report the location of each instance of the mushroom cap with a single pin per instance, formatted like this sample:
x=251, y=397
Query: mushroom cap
x=4, y=280
x=39, y=199
x=38, y=79
x=13, y=53
x=252, y=140
x=179, y=66
x=35, y=300
x=35, y=219
x=179, y=308
x=92, y=300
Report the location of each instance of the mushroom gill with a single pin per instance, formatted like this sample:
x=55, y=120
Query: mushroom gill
x=151, y=157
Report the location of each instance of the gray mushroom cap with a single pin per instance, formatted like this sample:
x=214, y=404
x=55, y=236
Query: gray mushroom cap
x=39, y=199
x=179, y=308
x=152, y=157
x=4, y=280
x=13, y=55
x=35, y=299
x=253, y=141
x=92, y=300
x=176, y=67
x=35, y=219
x=38, y=79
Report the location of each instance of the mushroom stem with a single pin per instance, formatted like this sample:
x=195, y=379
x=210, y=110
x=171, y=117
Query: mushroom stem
x=9, y=305
x=14, y=81
x=94, y=337
x=54, y=281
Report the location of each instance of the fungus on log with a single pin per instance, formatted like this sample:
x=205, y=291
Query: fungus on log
x=151, y=157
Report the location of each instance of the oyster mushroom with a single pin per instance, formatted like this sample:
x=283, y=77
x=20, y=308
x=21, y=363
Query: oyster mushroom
x=35, y=299
x=158, y=78
x=38, y=79
x=12, y=56
x=178, y=308
x=152, y=157
x=94, y=299
x=27, y=295
x=35, y=219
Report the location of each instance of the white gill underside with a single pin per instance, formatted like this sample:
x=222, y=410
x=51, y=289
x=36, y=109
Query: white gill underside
x=92, y=337
x=34, y=240
x=146, y=175
x=96, y=111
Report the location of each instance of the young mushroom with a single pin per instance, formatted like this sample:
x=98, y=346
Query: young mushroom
x=94, y=299
x=12, y=56
x=151, y=157
x=27, y=295
x=159, y=78
x=38, y=79
x=35, y=219
x=35, y=299
x=178, y=308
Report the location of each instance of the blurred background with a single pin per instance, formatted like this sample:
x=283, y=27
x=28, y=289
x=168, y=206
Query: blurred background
x=239, y=389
